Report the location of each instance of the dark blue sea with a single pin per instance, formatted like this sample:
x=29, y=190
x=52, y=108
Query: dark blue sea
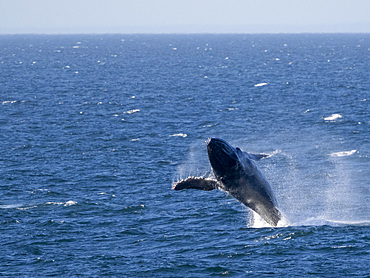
x=95, y=129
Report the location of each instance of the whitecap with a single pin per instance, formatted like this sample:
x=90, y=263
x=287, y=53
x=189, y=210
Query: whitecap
x=179, y=135
x=260, y=84
x=9, y=101
x=27, y=208
x=66, y=204
x=132, y=111
x=70, y=203
x=333, y=117
x=344, y=153
x=54, y=203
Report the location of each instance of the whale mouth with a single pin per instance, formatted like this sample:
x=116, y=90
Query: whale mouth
x=221, y=155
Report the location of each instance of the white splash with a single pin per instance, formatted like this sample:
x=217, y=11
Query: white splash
x=256, y=221
x=270, y=154
x=333, y=117
x=344, y=153
x=196, y=164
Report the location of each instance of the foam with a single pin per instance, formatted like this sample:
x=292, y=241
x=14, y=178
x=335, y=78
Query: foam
x=333, y=117
x=179, y=135
x=344, y=153
x=320, y=221
x=256, y=221
x=9, y=101
x=132, y=111
x=260, y=84
x=70, y=203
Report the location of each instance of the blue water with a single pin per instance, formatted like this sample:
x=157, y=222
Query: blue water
x=94, y=129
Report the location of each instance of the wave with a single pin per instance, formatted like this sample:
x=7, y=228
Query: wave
x=256, y=221
x=179, y=135
x=333, y=117
x=260, y=84
x=132, y=111
x=344, y=153
x=27, y=207
x=9, y=102
x=318, y=221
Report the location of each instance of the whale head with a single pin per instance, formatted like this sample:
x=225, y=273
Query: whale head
x=222, y=156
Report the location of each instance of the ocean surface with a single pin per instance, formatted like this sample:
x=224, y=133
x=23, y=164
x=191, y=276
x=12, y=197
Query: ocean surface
x=94, y=130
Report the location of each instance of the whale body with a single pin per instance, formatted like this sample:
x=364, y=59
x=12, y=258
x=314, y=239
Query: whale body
x=236, y=173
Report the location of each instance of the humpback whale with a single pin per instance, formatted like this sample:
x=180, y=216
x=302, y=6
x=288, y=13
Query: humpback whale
x=236, y=173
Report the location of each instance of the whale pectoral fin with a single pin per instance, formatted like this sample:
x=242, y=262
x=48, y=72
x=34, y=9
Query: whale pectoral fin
x=199, y=183
x=258, y=156
x=253, y=156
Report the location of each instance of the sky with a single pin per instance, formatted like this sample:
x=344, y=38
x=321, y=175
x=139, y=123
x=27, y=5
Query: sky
x=184, y=16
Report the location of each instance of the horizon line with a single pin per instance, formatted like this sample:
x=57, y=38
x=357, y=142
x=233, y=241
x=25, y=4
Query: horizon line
x=184, y=33
x=323, y=28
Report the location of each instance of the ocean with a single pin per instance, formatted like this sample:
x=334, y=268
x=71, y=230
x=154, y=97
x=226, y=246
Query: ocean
x=95, y=129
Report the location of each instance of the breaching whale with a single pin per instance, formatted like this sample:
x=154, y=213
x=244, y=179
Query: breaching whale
x=237, y=174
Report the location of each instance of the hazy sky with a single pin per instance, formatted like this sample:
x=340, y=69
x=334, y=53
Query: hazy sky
x=183, y=16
